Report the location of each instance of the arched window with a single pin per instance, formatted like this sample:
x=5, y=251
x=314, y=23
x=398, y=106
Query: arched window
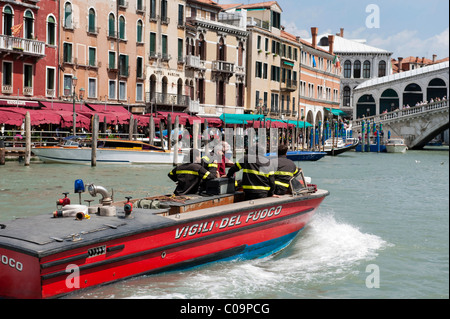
x=111, y=25
x=346, y=97
x=381, y=68
x=91, y=26
x=122, y=28
x=357, y=69
x=366, y=69
x=68, y=23
x=28, y=20
x=139, y=31
x=347, y=69
x=51, y=30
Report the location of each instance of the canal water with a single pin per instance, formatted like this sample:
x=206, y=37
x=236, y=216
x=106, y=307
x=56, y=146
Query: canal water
x=382, y=233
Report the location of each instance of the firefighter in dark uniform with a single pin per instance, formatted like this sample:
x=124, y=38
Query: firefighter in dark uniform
x=257, y=175
x=189, y=175
x=210, y=163
x=285, y=171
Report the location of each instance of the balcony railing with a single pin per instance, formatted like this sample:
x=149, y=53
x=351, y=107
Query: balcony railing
x=22, y=46
x=289, y=85
x=7, y=89
x=167, y=99
x=194, y=62
x=222, y=66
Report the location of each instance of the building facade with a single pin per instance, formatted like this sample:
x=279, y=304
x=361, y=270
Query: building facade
x=28, y=51
x=359, y=62
x=216, y=45
x=102, y=46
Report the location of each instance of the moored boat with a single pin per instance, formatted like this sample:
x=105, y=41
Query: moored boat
x=339, y=146
x=395, y=145
x=109, y=151
x=49, y=255
x=305, y=155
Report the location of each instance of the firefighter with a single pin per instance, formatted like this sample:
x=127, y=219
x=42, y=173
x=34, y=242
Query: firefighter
x=257, y=175
x=189, y=175
x=285, y=171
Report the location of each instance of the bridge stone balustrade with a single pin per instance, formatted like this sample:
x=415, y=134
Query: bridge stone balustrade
x=417, y=125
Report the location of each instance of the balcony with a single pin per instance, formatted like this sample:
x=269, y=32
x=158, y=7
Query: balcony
x=167, y=99
x=289, y=85
x=21, y=46
x=7, y=89
x=194, y=62
x=223, y=67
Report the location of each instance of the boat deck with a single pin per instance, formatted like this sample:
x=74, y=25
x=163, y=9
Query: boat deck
x=43, y=235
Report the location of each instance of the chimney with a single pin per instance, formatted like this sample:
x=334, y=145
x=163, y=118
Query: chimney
x=331, y=43
x=400, y=65
x=341, y=34
x=314, y=33
x=434, y=58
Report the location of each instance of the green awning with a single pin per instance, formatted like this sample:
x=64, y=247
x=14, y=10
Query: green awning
x=288, y=63
x=300, y=124
x=336, y=112
x=240, y=118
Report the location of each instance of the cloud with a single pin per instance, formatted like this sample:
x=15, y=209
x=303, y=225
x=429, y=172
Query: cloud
x=408, y=43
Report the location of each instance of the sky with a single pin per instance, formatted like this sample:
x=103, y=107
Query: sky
x=406, y=28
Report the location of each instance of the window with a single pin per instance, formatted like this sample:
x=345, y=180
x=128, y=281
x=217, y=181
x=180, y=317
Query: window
x=152, y=9
x=139, y=5
x=382, y=69
x=139, y=92
x=163, y=10
x=111, y=25
x=92, y=56
x=258, y=69
x=164, y=46
x=51, y=30
x=139, y=31
x=152, y=44
x=265, y=66
x=266, y=45
x=121, y=28
x=366, y=69
x=346, y=97
x=275, y=73
x=92, y=88
x=274, y=102
x=139, y=68
x=68, y=87
x=112, y=89
x=180, y=50
x=28, y=21
x=67, y=52
x=91, y=25
x=123, y=65
x=7, y=73
x=258, y=42
x=68, y=23
x=112, y=60
x=357, y=69
x=347, y=69
x=275, y=19
x=122, y=90
x=180, y=15
x=50, y=83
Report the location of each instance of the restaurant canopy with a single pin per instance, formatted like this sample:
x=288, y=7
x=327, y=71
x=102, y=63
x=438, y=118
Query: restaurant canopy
x=336, y=112
x=230, y=118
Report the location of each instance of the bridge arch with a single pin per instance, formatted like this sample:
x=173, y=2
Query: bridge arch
x=365, y=106
x=412, y=94
x=437, y=88
x=389, y=100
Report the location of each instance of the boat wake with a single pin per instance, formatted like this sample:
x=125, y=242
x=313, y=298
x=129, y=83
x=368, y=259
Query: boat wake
x=326, y=252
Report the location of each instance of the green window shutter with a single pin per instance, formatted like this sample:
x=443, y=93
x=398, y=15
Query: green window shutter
x=164, y=44
x=112, y=25
x=122, y=28
x=152, y=43
x=92, y=56
x=112, y=60
x=91, y=21
x=139, y=32
x=180, y=49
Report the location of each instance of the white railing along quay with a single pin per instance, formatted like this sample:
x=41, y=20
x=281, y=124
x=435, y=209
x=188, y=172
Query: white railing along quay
x=403, y=113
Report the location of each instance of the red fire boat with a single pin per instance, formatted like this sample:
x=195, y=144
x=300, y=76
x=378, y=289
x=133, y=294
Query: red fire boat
x=78, y=247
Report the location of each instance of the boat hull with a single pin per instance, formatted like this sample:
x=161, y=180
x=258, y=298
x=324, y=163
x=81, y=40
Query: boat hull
x=114, y=248
x=305, y=155
x=83, y=155
x=396, y=148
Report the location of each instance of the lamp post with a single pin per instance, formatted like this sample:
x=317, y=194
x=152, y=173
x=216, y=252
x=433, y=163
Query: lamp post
x=74, y=84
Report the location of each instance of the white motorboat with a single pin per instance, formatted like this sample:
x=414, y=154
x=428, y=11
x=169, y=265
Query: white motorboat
x=110, y=151
x=395, y=145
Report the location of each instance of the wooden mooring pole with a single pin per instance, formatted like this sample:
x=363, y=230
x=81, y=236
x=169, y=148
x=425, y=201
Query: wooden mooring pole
x=95, y=128
x=27, y=139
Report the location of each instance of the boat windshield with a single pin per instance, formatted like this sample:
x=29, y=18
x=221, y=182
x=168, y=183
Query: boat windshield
x=298, y=184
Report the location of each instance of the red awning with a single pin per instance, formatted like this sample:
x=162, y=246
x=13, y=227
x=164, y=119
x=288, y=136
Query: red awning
x=37, y=116
x=11, y=118
x=212, y=121
x=59, y=106
x=182, y=117
x=108, y=108
x=19, y=103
